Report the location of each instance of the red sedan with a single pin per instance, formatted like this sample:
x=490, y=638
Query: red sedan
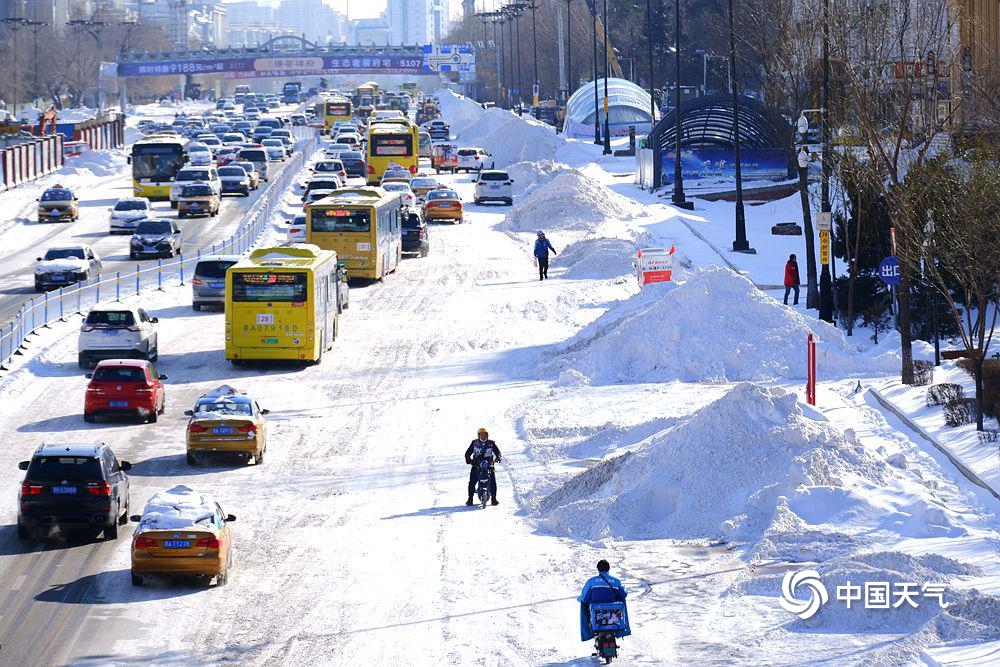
x=124, y=387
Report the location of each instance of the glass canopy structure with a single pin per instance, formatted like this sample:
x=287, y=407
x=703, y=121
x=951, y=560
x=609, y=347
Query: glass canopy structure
x=628, y=105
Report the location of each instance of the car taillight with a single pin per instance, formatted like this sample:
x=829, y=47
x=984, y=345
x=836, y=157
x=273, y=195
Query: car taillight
x=148, y=389
x=197, y=428
x=208, y=542
x=88, y=328
x=99, y=489
x=29, y=489
x=343, y=174
x=144, y=543
x=197, y=282
x=249, y=429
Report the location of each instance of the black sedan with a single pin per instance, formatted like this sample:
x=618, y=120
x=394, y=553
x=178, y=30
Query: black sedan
x=354, y=163
x=415, y=239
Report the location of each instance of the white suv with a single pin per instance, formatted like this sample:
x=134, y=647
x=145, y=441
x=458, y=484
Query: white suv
x=190, y=174
x=114, y=331
x=494, y=185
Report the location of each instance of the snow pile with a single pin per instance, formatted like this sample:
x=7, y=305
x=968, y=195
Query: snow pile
x=716, y=327
x=528, y=176
x=458, y=111
x=718, y=474
x=95, y=163
x=570, y=201
x=510, y=138
x=597, y=259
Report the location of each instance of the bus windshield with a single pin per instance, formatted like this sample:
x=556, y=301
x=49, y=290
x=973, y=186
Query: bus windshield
x=283, y=287
x=157, y=162
x=340, y=220
x=338, y=109
x=392, y=144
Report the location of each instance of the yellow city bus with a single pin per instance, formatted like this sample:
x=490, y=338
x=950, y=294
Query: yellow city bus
x=155, y=162
x=336, y=109
x=363, y=226
x=392, y=144
x=283, y=303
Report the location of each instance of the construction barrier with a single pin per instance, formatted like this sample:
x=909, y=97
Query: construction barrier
x=30, y=159
x=49, y=307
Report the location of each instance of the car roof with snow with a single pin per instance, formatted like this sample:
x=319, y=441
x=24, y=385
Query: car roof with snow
x=179, y=508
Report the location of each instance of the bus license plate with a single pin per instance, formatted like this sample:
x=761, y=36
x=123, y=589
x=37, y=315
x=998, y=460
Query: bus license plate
x=117, y=404
x=176, y=544
x=223, y=430
x=64, y=490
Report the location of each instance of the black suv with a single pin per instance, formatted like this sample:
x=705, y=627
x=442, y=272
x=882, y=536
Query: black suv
x=415, y=232
x=73, y=486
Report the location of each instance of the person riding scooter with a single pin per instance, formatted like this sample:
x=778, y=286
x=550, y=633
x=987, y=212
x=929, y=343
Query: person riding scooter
x=601, y=590
x=482, y=446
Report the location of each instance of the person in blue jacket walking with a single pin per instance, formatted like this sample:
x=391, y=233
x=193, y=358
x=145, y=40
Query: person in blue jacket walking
x=542, y=248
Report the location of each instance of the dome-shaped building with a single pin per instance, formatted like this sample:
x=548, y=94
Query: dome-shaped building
x=628, y=106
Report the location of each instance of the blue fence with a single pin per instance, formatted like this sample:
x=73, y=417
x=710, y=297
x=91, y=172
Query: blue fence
x=41, y=310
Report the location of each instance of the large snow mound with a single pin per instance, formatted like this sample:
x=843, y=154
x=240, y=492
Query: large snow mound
x=510, y=138
x=458, y=111
x=570, y=201
x=716, y=326
x=95, y=163
x=717, y=474
x=529, y=176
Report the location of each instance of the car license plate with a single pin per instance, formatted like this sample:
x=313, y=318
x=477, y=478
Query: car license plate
x=58, y=276
x=217, y=285
x=444, y=205
x=176, y=544
x=494, y=187
x=64, y=490
x=406, y=232
x=54, y=214
x=223, y=430
x=193, y=206
x=117, y=404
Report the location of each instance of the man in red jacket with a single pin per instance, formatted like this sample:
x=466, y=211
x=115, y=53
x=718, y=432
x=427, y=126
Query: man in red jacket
x=792, y=279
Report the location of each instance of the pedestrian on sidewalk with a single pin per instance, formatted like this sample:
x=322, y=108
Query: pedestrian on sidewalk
x=542, y=248
x=792, y=279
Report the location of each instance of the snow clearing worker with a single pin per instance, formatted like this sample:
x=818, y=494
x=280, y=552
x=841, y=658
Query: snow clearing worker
x=601, y=589
x=478, y=448
x=541, y=252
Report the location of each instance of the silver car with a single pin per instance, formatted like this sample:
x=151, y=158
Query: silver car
x=64, y=265
x=208, y=286
x=114, y=331
x=126, y=214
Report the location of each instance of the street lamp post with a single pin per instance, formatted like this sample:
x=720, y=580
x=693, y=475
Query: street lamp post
x=649, y=46
x=607, y=71
x=812, y=295
x=534, y=57
x=519, y=9
x=35, y=27
x=825, y=281
x=15, y=25
x=740, y=244
x=592, y=4
x=569, y=50
x=677, y=199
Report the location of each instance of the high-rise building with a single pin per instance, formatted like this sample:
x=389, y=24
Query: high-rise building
x=417, y=21
x=312, y=19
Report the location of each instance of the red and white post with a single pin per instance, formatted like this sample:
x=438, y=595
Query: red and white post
x=811, y=370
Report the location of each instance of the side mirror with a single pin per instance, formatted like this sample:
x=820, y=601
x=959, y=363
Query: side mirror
x=189, y=413
x=265, y=411
x=89, y=376
x=161, y=377
x=38, y=259
x=135, y=517
x=125, y=465
x=23, y=465
x=128, y=159
x=230, y=518
x=154, y=320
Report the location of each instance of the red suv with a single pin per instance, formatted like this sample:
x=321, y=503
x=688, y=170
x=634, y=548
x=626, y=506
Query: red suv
x=124, y=387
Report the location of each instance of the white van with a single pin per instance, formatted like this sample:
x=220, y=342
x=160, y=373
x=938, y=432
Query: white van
x=494, y=185
x=191, y=174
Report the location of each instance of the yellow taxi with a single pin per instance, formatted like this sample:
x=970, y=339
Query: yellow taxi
x=226, y=421
x=198, y=199
x=58, y=204
x=182, y=533
x=422, y=184
x=443, y=204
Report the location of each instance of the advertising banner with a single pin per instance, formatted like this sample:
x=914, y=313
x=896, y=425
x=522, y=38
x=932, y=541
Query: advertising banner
x=758, y=164
x=280, y=66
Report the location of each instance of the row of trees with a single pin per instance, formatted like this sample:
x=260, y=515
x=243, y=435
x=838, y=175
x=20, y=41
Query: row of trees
x=61, y=66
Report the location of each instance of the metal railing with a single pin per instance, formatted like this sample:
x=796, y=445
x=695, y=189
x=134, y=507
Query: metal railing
x=42, y=310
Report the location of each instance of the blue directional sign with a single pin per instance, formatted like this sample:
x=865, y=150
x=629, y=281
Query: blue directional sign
x=888, y=271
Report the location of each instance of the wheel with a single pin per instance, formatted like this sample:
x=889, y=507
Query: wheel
x=192, y=460
x=152, y=354
x=424, y=252
x=111, y=531
x=181, y=214
x=246, y=193
x=477, y=202
x=196, y=306
x=173, y=204
x=136, y=579
x=132, y=255
x=509, y=202
x=123, y=519
x=81, y=361
x=259, y=458
x=152, y=417
x=87, y=417
x=22, y=531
